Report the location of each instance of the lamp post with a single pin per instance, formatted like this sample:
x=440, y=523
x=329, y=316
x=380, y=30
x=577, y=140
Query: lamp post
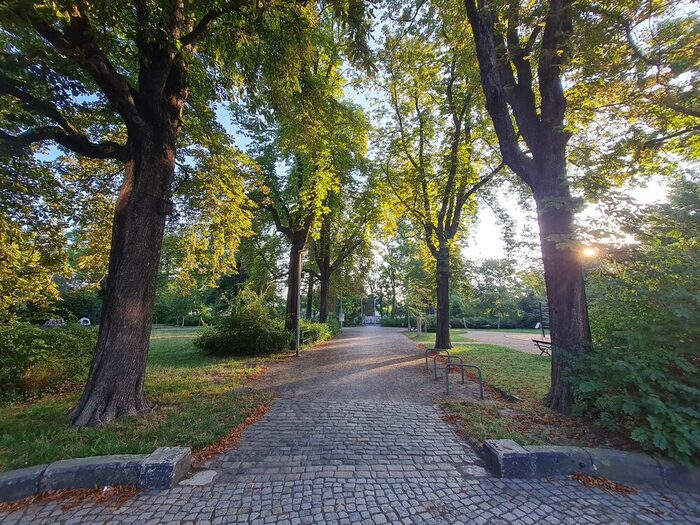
x=302, y=252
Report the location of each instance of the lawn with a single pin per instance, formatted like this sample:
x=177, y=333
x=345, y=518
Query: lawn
x=518, y=373
x=528, y=422
x=195, y=406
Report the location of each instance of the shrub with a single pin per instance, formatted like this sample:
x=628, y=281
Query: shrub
x=35, y=360
x=333, y=326
x=313, y=332
x=643, y=373
x=394, y=322
x=248, y=329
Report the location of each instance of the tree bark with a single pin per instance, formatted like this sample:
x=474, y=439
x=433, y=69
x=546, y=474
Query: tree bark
x=566, y=293
x=310, y=297
x=323, y=259
x=541, y=126
x=324, y=289
x=293, y=281
x=115, y=386
x=442, y=330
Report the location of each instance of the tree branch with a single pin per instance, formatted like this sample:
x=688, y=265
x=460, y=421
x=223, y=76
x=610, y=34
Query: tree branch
x=286, y=230
x=76, y=143
x=78, y=42
x=482, y=23
x=191, y=38
x=65, y=133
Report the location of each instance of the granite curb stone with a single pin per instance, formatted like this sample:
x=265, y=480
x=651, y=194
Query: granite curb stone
x=18, y=484
x=507, y=459
x=165, y=467
x=90, y=472
x=162, y=469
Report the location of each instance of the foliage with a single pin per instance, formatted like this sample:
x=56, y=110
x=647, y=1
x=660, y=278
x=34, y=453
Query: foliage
x=35, y=359
x=32, y=241
x=642, y=375
x=250, y=328
x=394, y=322
x=313, y=332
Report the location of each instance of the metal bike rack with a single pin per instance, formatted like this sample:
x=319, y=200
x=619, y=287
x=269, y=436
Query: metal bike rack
x=449, y=360
x=433, y=351
x=462, y=366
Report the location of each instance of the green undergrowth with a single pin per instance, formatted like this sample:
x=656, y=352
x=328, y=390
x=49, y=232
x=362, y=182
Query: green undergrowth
x=195, y=405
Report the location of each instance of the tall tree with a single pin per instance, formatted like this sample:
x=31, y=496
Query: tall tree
x=344, y=229
x=111, y=81
x=531, y=105
x=430, y=153
x=316, y=140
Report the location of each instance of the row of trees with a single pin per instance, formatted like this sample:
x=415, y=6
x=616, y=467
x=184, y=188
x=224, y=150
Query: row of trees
x=475, y=87
x=119, y=106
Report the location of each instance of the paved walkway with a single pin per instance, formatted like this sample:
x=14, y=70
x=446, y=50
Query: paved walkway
x=355, y=437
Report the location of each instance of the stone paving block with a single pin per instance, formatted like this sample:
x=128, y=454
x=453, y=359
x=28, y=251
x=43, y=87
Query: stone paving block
x=165, y=467
x=96, y=471
x=21, y=483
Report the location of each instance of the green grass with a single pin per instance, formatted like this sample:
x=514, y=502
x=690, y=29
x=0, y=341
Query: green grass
x=524, y=375
x=194, y=407
x=527, y=376
x=456, y=335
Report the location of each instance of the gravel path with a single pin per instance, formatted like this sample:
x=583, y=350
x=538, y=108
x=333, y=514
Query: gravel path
x=516, y=341
x=355, y=437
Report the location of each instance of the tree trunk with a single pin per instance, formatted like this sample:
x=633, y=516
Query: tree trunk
x=566, y=293
x=442, y=330
x=310, y=297
x=115, y=386
x=325, y=287
x=393, y=292
x=293, y=282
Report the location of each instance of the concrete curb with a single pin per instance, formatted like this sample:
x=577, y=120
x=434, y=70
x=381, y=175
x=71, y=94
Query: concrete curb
x=506, y=459
x=160, y=470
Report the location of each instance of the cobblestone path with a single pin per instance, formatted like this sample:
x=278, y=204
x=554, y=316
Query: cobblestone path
x=355, y=437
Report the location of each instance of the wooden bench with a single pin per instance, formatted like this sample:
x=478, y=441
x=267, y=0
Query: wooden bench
x=543, y=346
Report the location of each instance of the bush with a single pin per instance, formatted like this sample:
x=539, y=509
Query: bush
x=394, y=322
x=248, y=329
x=643, y=373
x=35, y=359
x=313, y=332
x=333, y=326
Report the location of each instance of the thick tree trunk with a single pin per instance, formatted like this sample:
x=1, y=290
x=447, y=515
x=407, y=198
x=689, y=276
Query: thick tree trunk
x=324, y=269
x=442, y=330
x=115, y=387
x=310, y=297
x=293, y=282
x=324, y=289
x=566, y=293
x=393, y=293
